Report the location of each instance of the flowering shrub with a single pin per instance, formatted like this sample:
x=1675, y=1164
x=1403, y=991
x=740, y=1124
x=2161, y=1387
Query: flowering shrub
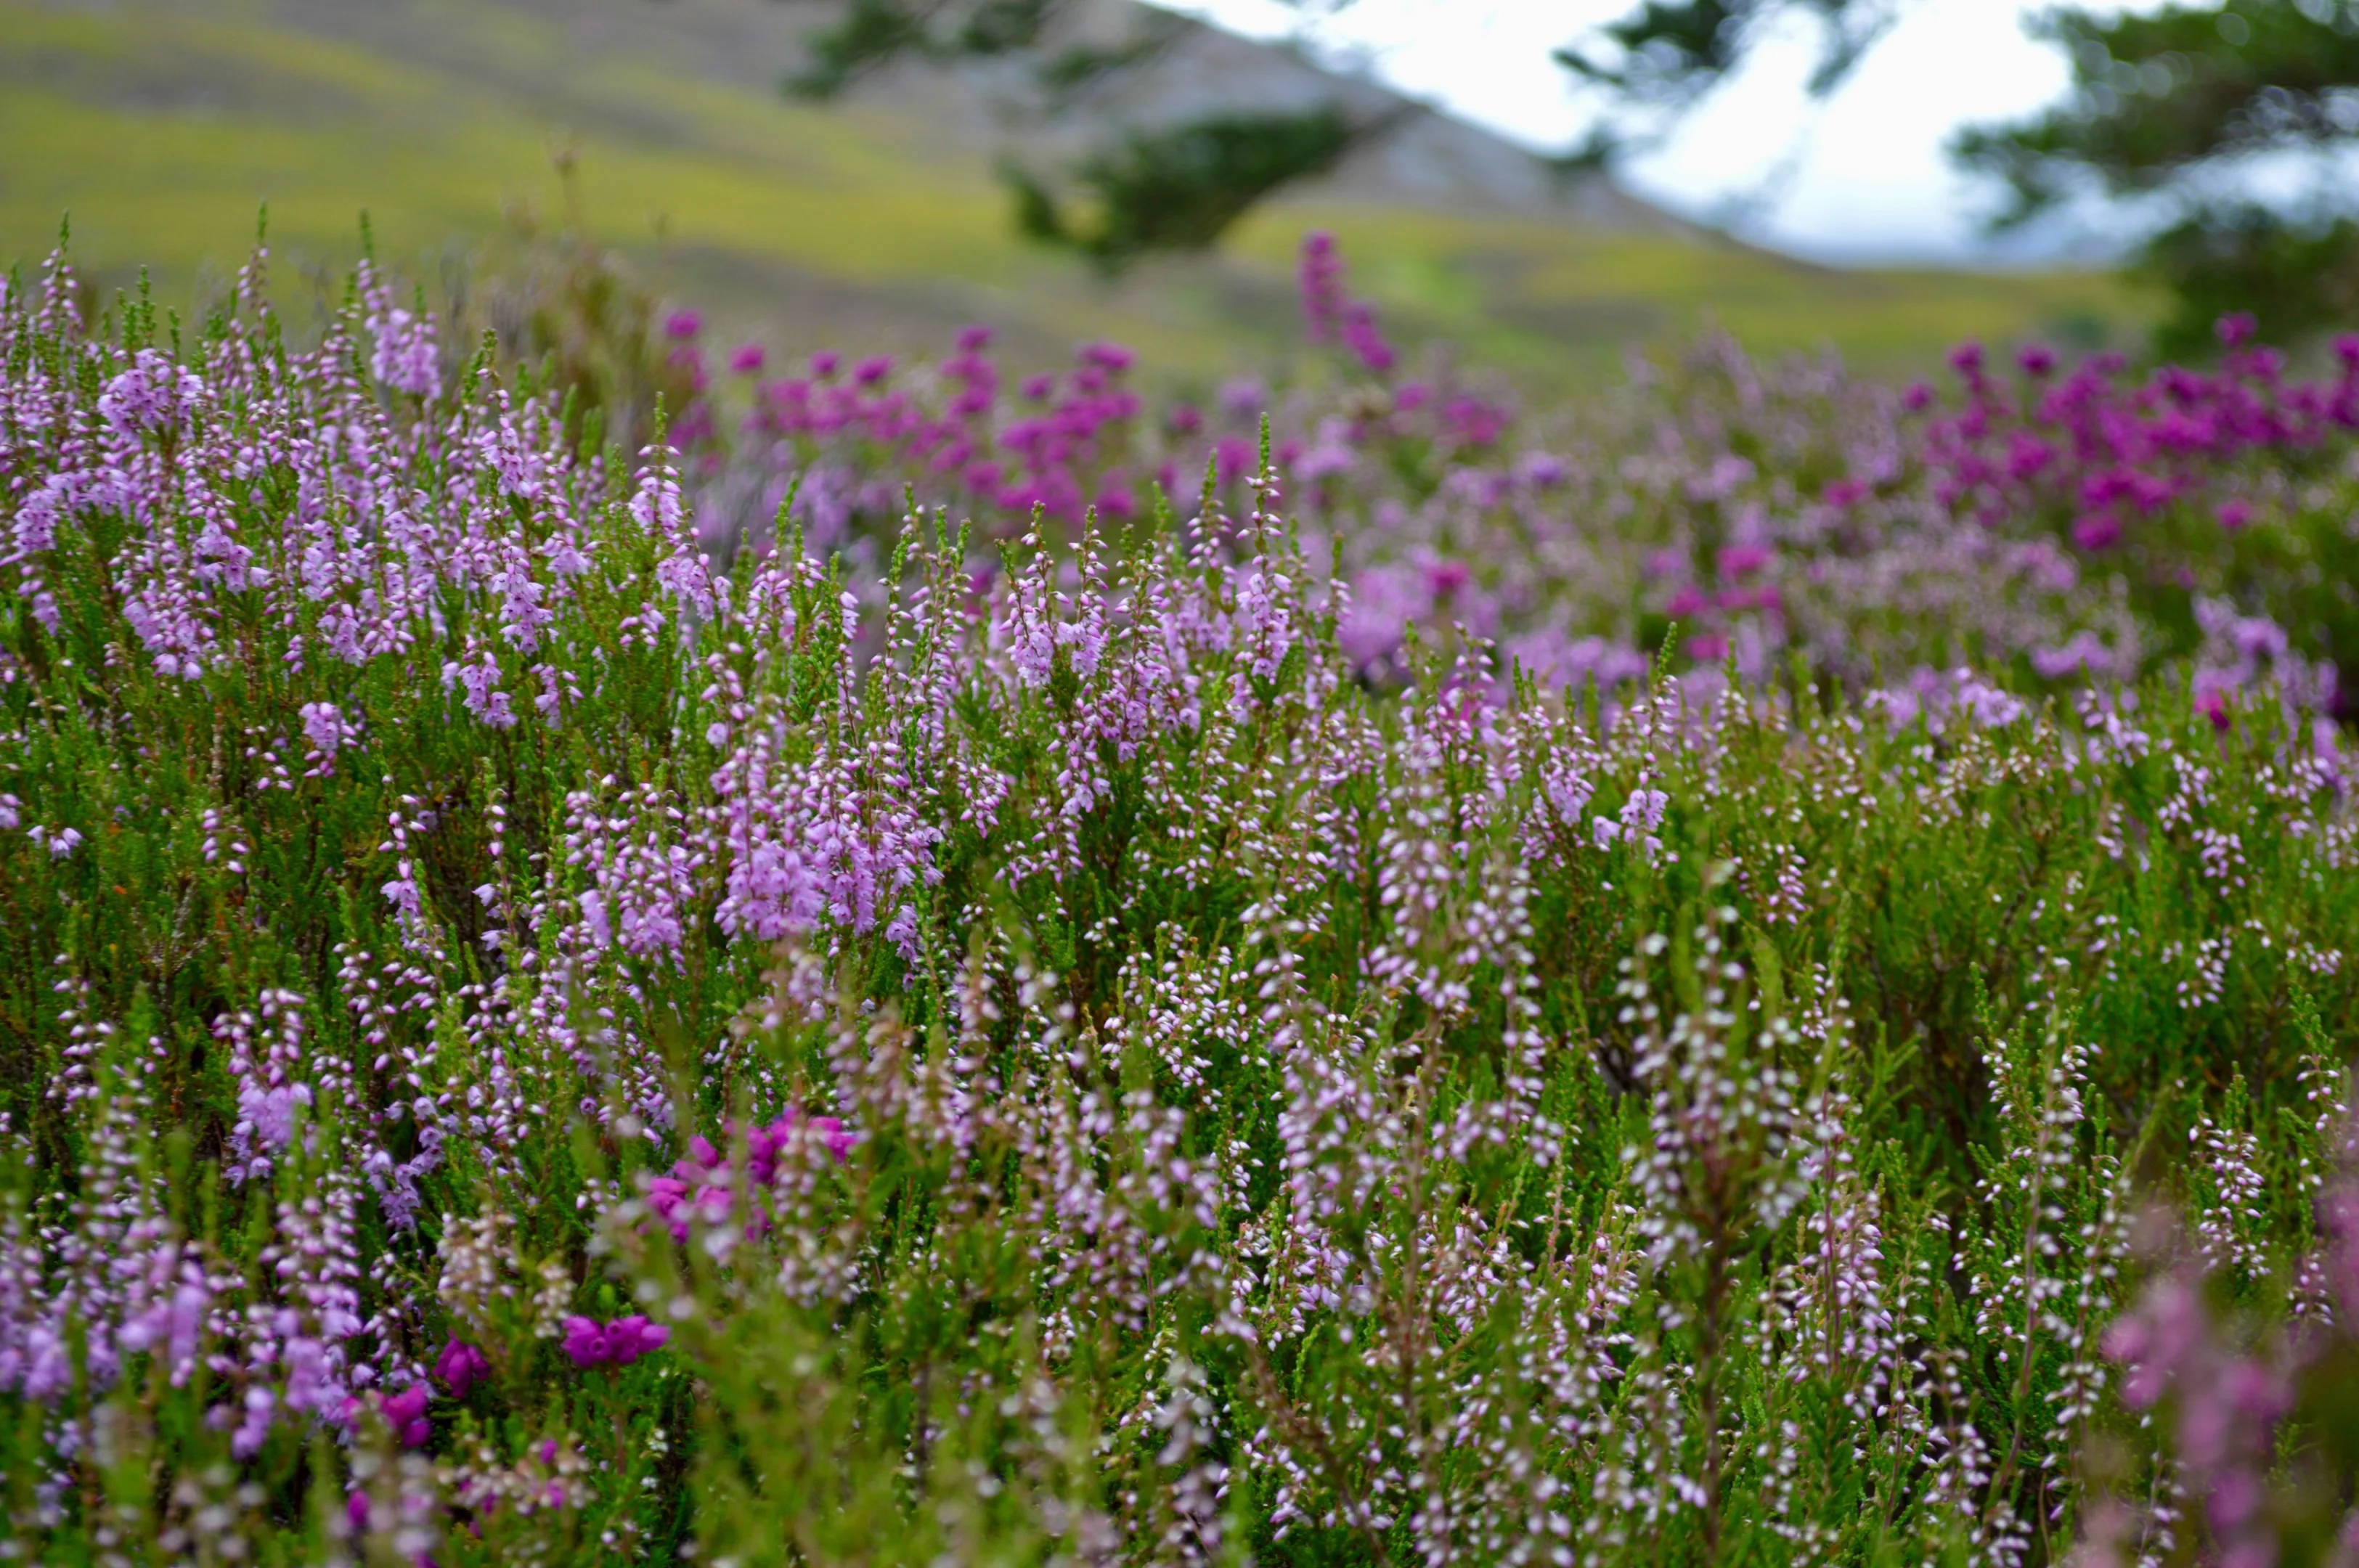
x=2063, y=529
x=543, y=1025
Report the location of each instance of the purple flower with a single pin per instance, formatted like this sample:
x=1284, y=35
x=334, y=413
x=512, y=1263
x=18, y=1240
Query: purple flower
x=617, y=1344
x=2097, y=531
x=683, y=324
x=1743, y=560
x=749, y=358
x=460, y=1366
x=406, y=1413
x=585, y=1341
x=1686, y=602
x=2214, y=705
x=628, y=1339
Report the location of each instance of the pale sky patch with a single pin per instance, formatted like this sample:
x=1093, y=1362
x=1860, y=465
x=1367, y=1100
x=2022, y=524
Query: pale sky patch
x=1860, y=176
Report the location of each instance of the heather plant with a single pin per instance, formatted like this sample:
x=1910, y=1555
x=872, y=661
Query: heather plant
x=2071, y=529
x=542, y=1023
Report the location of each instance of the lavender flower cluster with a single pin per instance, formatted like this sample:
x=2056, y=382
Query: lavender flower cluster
x=539, y=1021
x=2071, y=528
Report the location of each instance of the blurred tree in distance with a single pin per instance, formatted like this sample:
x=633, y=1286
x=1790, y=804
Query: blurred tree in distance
x=2201, y=121
x=1176, y=187
x=2171, y=115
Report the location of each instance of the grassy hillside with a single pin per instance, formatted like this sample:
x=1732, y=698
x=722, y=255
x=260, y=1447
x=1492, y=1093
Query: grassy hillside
x=162, y=126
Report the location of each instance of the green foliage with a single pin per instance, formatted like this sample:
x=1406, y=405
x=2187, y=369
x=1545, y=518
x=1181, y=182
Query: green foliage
x=1303, y=1117
x=873, y=34
x=2158, y=96
x=1669, y=52
x=1182, y=188
x=2297, y=279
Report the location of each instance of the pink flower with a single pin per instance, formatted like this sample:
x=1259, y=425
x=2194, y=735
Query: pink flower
x=2214, y=705
x=617, y=1344
x=748, y=359
x=460, y=1366
x=405, y=1412
x=1743, y=560
x=2096, y=531
x=683, y=324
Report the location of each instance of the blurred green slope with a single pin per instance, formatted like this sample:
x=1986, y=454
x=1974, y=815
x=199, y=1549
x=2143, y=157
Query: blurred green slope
x=162, y=126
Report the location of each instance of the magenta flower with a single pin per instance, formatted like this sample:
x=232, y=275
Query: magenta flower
x=617, y=1344
x=460, y=1366
x=628, y=1339
x=683, y=324
x=405, y=1412
x=2211, y=703
x=2096, y=531
x=585, y=1341
x=749, y=358
x=1743, y=560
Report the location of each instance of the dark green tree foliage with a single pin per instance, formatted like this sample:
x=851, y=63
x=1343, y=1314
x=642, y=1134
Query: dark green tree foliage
x=872, y=34
x=1172, y=187
x=1179, y=189
x=2172, y=107
x=2297, y=274
x=1671, y=52
x=2167, y=109
x=2182, y=92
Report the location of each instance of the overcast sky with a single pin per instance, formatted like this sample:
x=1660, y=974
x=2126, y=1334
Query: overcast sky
x=1864, y=178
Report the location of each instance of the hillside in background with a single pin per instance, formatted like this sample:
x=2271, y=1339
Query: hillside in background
x=874, y=222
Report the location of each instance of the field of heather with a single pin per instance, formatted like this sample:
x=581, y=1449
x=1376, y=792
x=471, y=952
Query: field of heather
x=887, y=961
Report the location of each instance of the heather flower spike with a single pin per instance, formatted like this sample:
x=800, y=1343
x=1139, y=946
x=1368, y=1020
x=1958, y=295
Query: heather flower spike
x=1363, y=968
